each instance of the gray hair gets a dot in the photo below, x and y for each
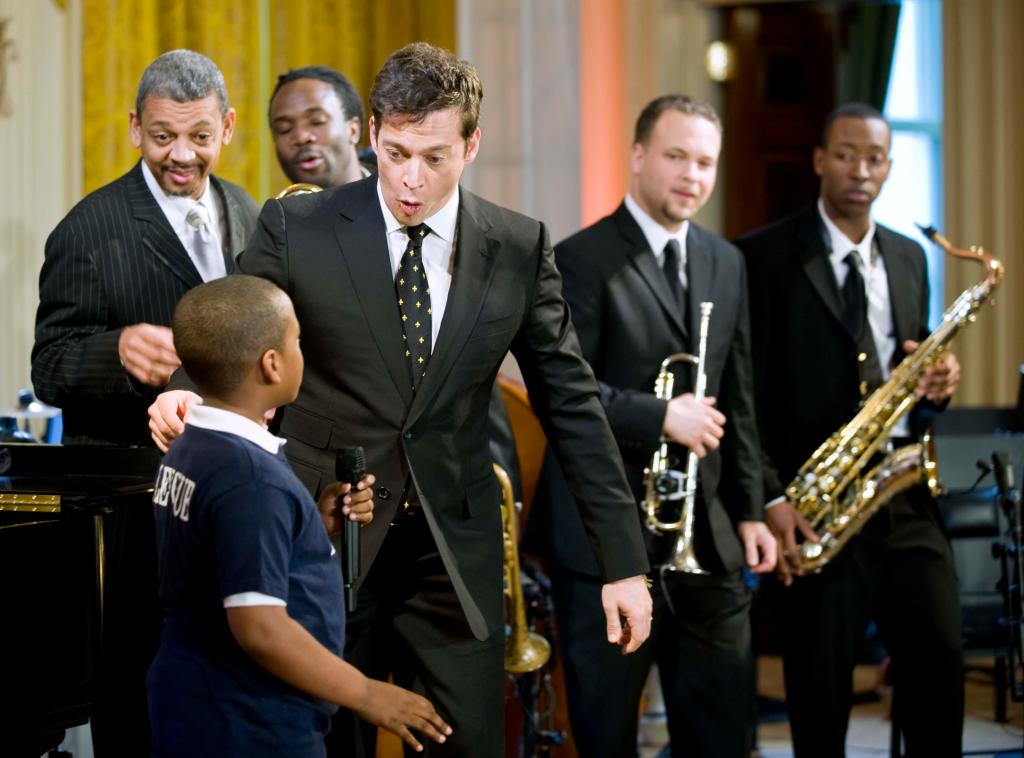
(183, 76)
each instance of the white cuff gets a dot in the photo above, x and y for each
(244, 599)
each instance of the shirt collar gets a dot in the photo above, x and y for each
(657, 235)
(840, 245)
(442, 223)
(220, 420)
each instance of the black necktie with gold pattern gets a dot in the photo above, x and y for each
(413, 293)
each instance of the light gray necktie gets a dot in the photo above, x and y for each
(205, 253)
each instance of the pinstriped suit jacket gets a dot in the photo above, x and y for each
(112, 262)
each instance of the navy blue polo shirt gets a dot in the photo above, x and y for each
(234, 526)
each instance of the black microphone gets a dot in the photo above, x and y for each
(350, 467)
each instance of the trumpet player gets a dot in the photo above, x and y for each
(635, 281)
(836, 301)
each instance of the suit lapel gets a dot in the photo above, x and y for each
(362, 237)
(235, 242)
(646, 264)
(816, 263)
(699, 272)
(898, 268)
(471, 279)
(157, 235)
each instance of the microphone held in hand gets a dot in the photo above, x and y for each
(350, 467)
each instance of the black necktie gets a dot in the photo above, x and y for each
(670, 267)
(413, 293)
(855, 306)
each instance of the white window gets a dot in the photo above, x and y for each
(913, 107)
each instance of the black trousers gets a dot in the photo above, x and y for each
(409, 624)
(700, 640)
(899, 571)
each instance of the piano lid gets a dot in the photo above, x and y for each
(37, 477)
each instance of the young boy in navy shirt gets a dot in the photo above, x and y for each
(249, 661)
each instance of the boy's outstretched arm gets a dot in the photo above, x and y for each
(283, 646)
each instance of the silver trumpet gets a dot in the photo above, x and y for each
(663, 485)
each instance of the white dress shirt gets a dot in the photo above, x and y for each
(176, 208)
(658, 236)
(876, 283)
(438, 253)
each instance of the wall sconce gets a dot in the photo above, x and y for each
(719, 61)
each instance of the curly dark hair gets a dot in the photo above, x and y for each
(348, 96)
(420, 79)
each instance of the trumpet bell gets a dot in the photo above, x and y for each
(683, 558)
(300, 188)
(523, 656)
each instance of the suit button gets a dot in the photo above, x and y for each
(383, 493)
(861, 357)
(407, 435)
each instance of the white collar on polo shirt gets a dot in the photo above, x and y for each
(220, 420)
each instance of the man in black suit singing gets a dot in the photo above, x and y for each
(410, 291)
(316, 120)
(117, 264)
(634, 282)
(836, 301)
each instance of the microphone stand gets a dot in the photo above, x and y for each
(1011, 582)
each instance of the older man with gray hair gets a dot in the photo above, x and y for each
(117, 264)
(115, 267)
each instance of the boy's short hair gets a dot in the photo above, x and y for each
(222, 328)
(421, 79)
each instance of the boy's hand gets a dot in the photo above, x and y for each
(338, 502)
(399, 710)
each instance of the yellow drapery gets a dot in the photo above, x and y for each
(252, 41)
(984, 163)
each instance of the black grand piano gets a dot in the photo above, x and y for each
(80, 616)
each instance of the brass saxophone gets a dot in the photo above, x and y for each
(525, 650)
(662, 484)
(831, 489)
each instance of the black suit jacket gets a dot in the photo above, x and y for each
(628, 323)
(329, 252)
(805, 360)
(112, 262)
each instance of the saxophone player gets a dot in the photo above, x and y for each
(635, 282)
(836, 301)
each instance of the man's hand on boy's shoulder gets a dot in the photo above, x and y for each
(168, 414)
(339, 501)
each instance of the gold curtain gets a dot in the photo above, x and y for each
(983, 151)
(252, 41)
